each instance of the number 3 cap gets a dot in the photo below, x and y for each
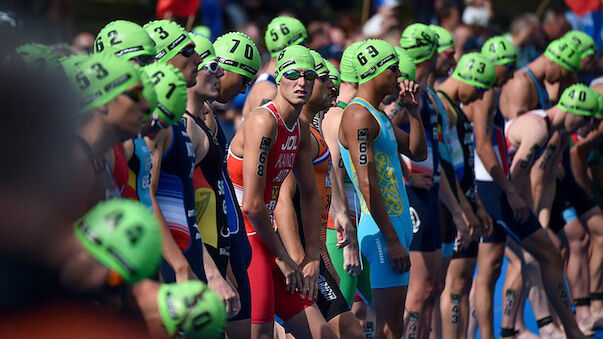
(102, 77)
(191, 308)
(580, 99)
(124, 39)
(293, 57)
(238, 53)
(282, 32)
(372, 58)
(170, 88)
(169, 38)
(476, 70)
(123, 235)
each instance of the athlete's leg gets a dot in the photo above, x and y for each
(346, 325)
(594, 222)
(512, 290)
(473, 325)
(389, 310)
(347, 283)
(309, 323)
(454, 301)
(262, 290)
(489, 261)
(422, 291)
(540, 246)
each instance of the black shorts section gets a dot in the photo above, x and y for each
(448, 230)
(425, 216)
(220, 260)
(561, 206)
(330, 301)
(467, 252)
(497, 206)
(240, 258)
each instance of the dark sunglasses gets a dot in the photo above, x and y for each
(134, 94)
(323, 77)
(480, 90)
(294, 74)
(511, 67)
(143, 60)
(212, 67)
(394, 68)
(187, 50)
(156, 124)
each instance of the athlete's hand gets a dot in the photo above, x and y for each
(473, 223)
(486, 221)
(420, 180)
(345, 231)
(521, 211)
(227, 293)
(398, 256)
(292, 273)
(462, 228)
(310, 269)
(351, 259)
(409, 95)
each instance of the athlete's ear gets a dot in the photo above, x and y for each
(104, 109)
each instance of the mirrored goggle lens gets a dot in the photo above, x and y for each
(187, 50)
(212, 67)
(293, 74)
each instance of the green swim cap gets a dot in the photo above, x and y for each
(419, 42)
(191, 307)
(124, 39)
(406, 65)
(333, 73)
(38, 56)
(282, 32)
(101, 78)
(444, 39)
(170, 87)
(348, 73)
(372, 58)
(499, 50)
(580, 99)
(293, 57)
(169, 38)
(319, 63)
(564, 54)
(476, 70)
(203, 31)
(238, 53)
(70, 63)
(583, 42)
(204, 48)
(123, 235)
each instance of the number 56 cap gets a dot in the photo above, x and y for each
(284, 31)
(102, 77)
(238, 53)
(124, 236)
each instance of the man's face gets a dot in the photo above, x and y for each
(322, 93)
(187, 61)
(445, 62)
(588, 65)
(573, 122)
(208, 80)
(127, 111)
(388, 79)
(232, 84)
(555, 73)
(297, 91)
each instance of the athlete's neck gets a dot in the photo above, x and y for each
(556, 117)
(367, 92)
(425, 75)
(537, 68)
(99, 135)
(289, 113)
(451, 88)
(195, 103)
(347, 92)
(307, 114)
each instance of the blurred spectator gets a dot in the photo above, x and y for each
(477, 13)
(554, 24)
(424, 11)
(181, 11)
(387, 16)
(393, 35)
(527, 37)
(448, 16)
(585, 15)
(318, 35)
(83, 43)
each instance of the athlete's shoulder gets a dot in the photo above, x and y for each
(260, 118)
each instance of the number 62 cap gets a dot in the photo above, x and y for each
(102, 77)
(124, 39)
(238, 53)
(372, 58)
(124, 236)
(476, 70)
(169, 38)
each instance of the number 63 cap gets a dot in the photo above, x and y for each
(238, 53)
(192, 309)
(372, 58)
(102, 77)
(476, 70)
(124, 236)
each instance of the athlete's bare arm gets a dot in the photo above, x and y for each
(515, 98)
(357, 135)
(286, 219)
(198, 138)
(452, 205)
(578, 157)
(260, 93)
(530, 136)
(310, 208)
(483, 125)
(413, 144)
(170, 250)
(253, 142)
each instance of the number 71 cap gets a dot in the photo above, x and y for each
(238, 53)
(124, 236)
